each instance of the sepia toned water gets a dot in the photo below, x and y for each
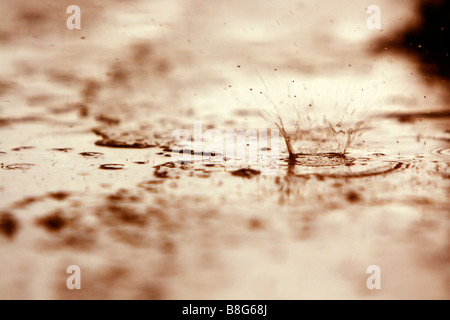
(87, 177)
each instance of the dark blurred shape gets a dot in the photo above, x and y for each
(59, 196)
(6, 86)
(62, 149)
(8, 225)
(353, 196)
(429, 40)
(83, 110)
(107, 120)
(33, 16)
(53, 222)
(255, 224)
(90, 90)
(22, 148)
(116, 214)
(246, 173)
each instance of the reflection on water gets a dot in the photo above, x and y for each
(86, 176)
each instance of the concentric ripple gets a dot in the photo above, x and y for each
(441, 152)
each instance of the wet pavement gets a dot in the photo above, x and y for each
(88, 177)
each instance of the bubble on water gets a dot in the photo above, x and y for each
(19, 166)
(91, 154)
(111, 166)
